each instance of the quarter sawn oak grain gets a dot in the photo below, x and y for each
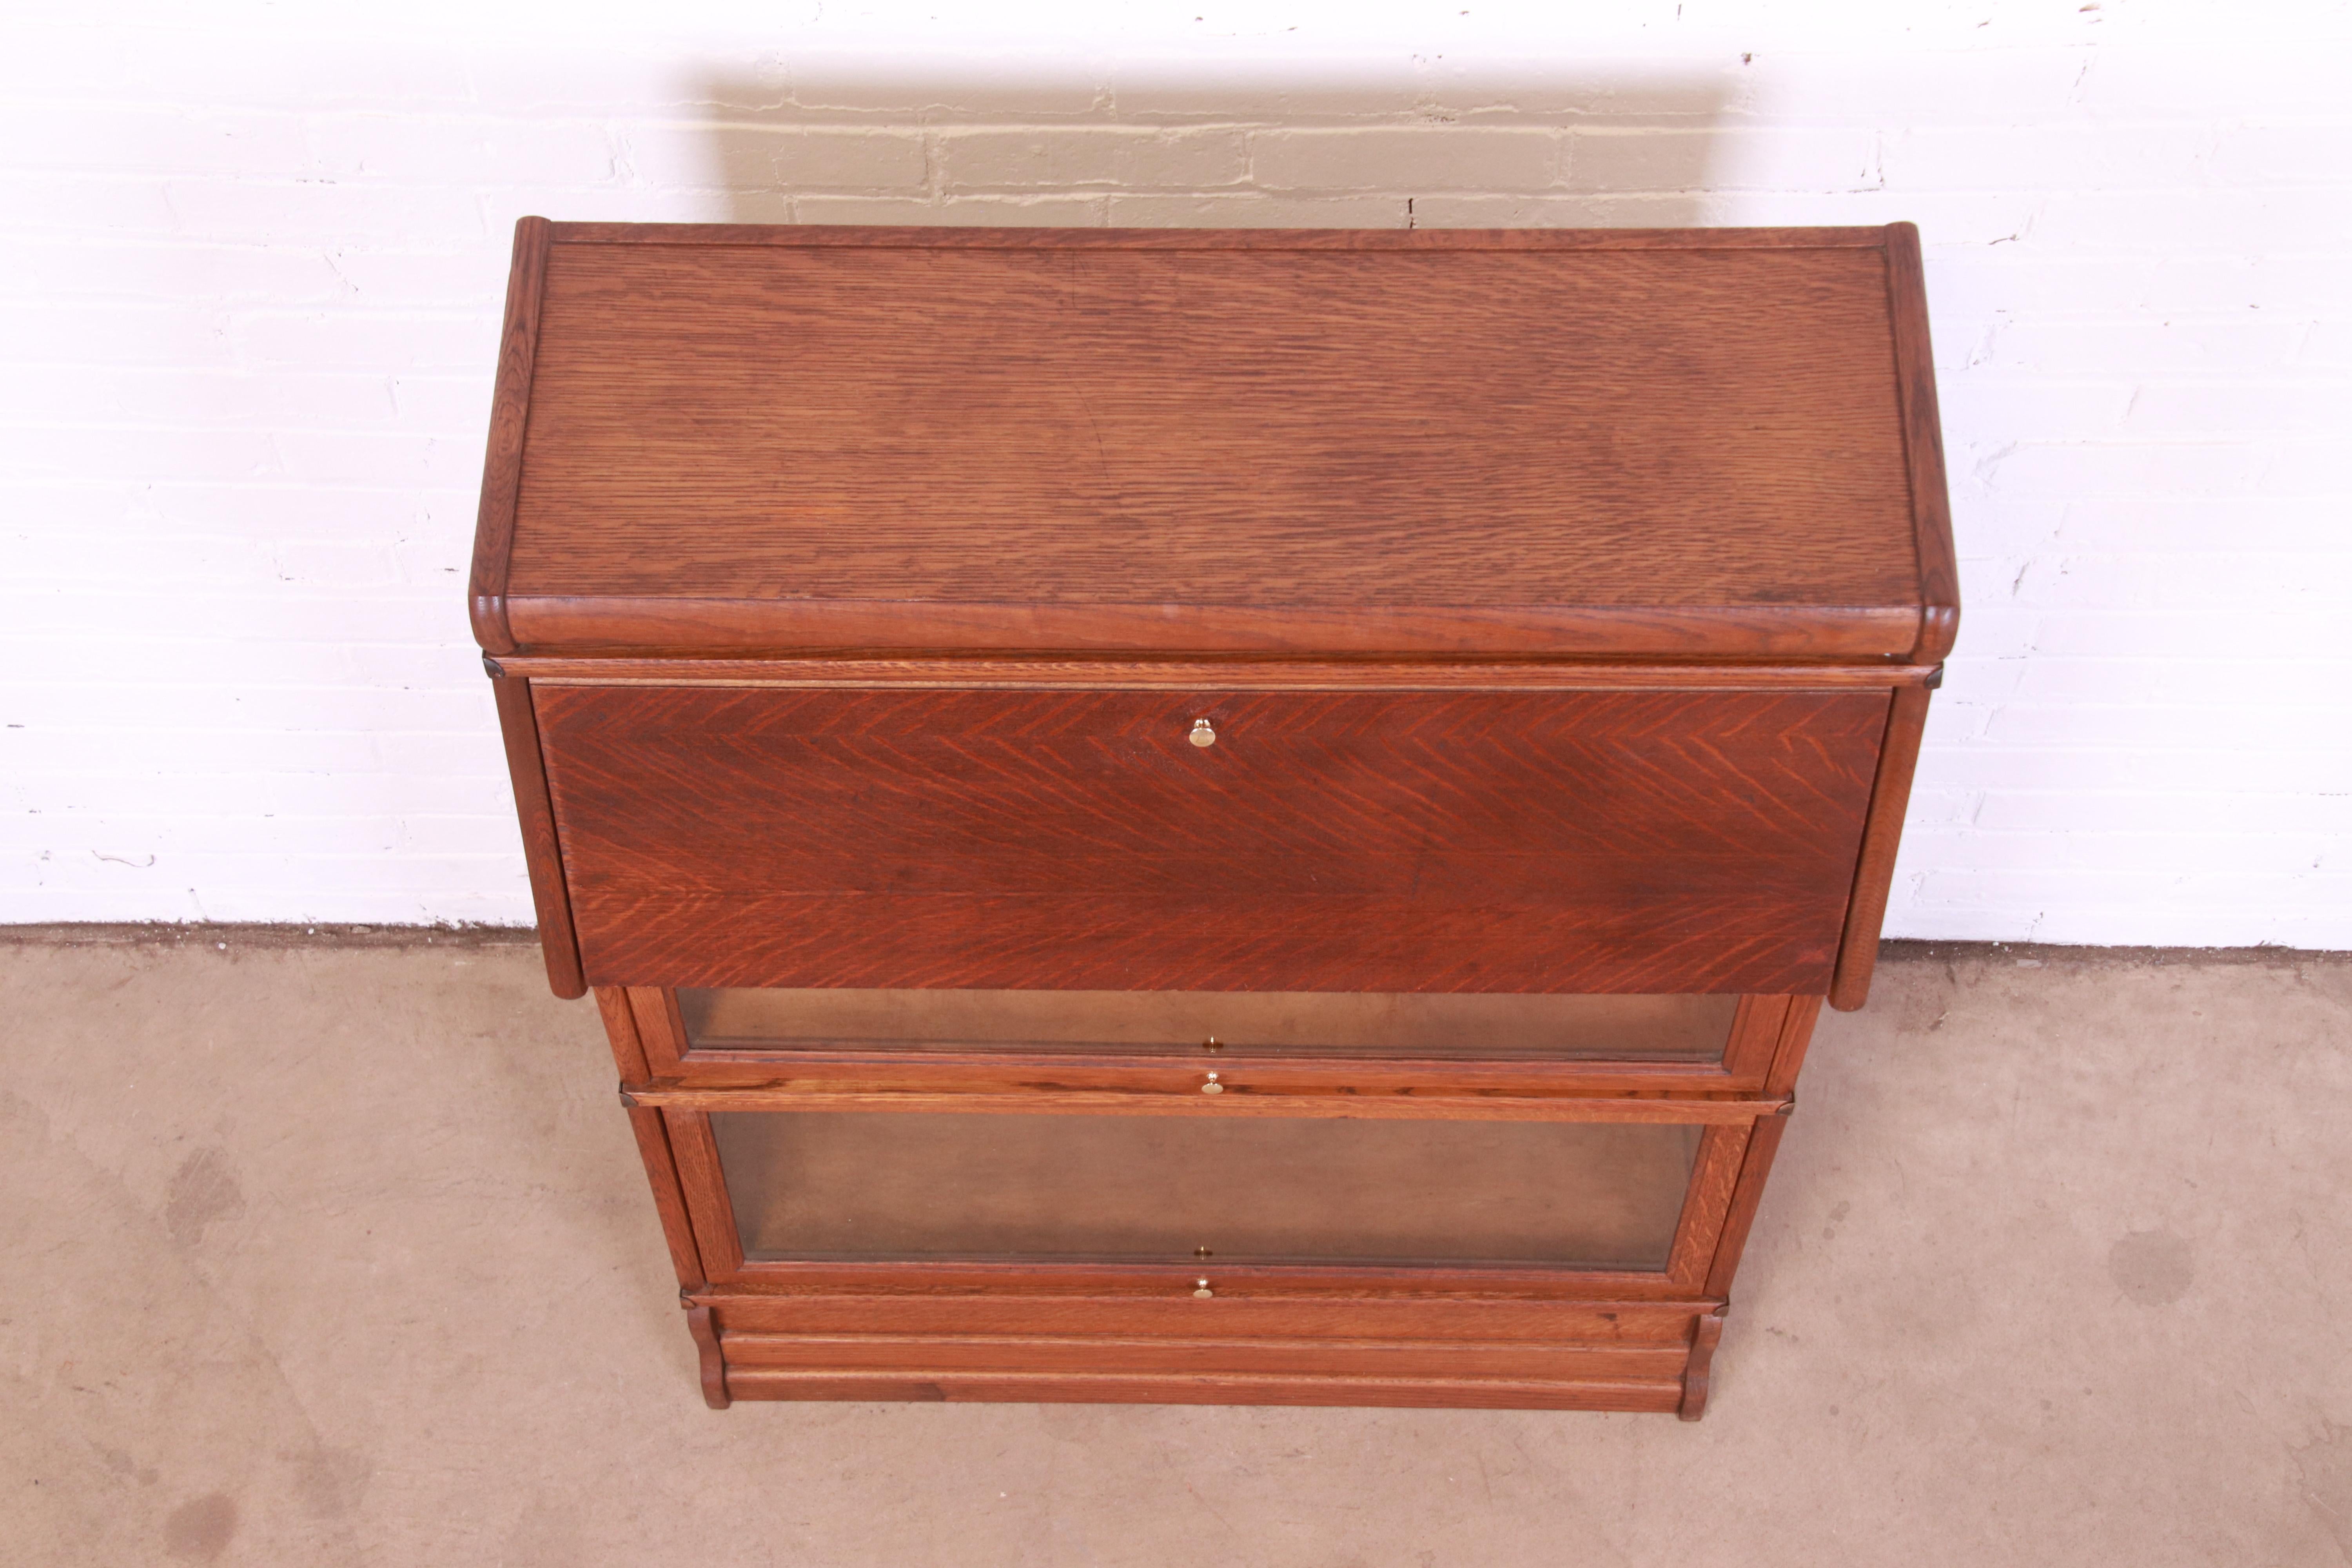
(1582, 444)
(1565, 606)
(1591, 841)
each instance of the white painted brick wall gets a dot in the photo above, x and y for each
(249, 305)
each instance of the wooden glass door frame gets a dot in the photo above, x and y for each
(1768, 1037)
(1715, 1204)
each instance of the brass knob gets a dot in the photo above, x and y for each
(1201, 1291)
(1212, 1086)
(1213, 1043)
(1204, 732)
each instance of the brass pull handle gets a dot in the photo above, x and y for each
(1212, 1086)
(1204, 734)
(1202, 1291)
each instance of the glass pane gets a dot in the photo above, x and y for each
(1242, 1023)
(877, 1184)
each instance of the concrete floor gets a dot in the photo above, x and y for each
(344, 1255)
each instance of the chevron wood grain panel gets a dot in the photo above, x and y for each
(1494, 841)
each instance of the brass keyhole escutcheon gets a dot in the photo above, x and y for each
(1204, 732)
(1201, 1291)
(1213, 1043)
(1212, 1086)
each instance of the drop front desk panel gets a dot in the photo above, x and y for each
(1207, 817)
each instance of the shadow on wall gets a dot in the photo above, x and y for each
(1533, 147)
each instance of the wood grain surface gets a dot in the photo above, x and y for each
(509, 412)
(1706, 1333)
(713, 1359)
(1458, 1319)
(1216, 442)
(1874, 879)
(1922, 444)
(1629, 1394)
(1243, 1102)
(1391, 841)
(550, 893)
(1757, 1045)
(975, 672)
(864, 236)
(670, 1198)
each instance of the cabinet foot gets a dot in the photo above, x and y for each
(1706, 1333)
(714, 1366)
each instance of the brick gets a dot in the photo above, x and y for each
(2296, 820)
(265, 612)
(2080, 843)
(2224, 285)
(1259, 212)
(1406, 161)
(343, 339)
(1239, 87)
(2302, 467)
(78, 333)
(1843, 84)
(1981, 284)
(2119, 468)
(2130, 764)
(1604, 159)
(1681, 96)
(2282, 77)
(2254, 723)
(2282, 633)
(1947, 220)
(321, 211)
(2007, 407)
(157, 270)
(2248, 581)
(2325, 346)
(66, 451)
(936, 88)
(1059, 157)
(196, 398)
(1944, 807)
(420, 833)
(739, 155)
(1680, 210)
(88, 207)
(2204, 679)
(2210, 218)
(2227, 345)
(2156, 887)
(2139, 922)
(455, 406)
(378, 457)
(2007, 526)
(2160, 526)
(2046, 157)
(458, 149)
(284, 67)
(1052, 212)
(2206, 409)
(420, 277)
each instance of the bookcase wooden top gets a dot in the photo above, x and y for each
(1614, 444)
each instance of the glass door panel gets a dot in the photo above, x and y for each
(1443, 1025)
(873, 1185)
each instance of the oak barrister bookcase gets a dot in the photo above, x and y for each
(1211, 816)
